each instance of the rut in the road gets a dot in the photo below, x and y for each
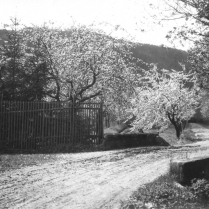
(88, 180)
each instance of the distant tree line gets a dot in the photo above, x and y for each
(163, 57)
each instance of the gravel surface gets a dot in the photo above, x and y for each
(87, 180)
(84, 180)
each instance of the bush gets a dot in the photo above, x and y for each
(163, 193)
(200, 188)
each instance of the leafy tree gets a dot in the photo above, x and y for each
(85, 64)
(198, 58)
(164, 97)
(78, 64)
(196, 30)
(12, 55)
(205, 106)
(23, 76)
(194, 12)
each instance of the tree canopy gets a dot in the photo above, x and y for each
(196, 16)
(76, 64)
(196, 30)
(79, 64)
(164, 97)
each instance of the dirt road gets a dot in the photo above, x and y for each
(82, 181)
(88, 180)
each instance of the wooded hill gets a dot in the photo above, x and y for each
(164, 57)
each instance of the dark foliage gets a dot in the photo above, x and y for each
(163, 193)
(164, 57)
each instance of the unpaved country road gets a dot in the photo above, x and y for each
(84, 180)
(87, 180)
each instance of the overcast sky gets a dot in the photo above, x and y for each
(132, 15)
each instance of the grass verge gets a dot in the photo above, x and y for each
(188, 136)
(16, 161)
(165, 193)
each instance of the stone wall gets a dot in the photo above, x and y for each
(117, 141)
(186, 170)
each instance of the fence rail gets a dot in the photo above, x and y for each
(37, 125)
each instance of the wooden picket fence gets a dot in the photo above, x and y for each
(38, 125)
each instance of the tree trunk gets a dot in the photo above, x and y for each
(178, 128)
(177, 124)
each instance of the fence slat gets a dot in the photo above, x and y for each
(37, 125)
(1, 124)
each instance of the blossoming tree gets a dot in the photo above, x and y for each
(165, 97)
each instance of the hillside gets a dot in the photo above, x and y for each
(2, 34)
(167, 58)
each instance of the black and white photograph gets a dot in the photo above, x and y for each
(104, 104)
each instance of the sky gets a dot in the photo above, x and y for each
(134, 16)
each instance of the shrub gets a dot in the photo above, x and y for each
(200, 188)
(163, 193)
